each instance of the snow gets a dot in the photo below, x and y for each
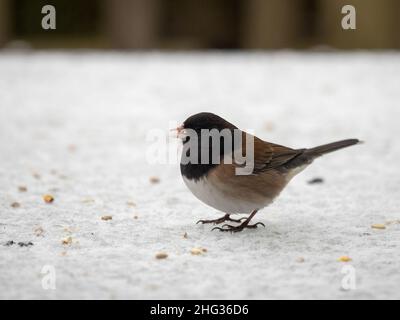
(74, 125)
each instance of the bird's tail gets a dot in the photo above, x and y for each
(330, 147)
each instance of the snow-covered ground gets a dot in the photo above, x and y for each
(74, 125)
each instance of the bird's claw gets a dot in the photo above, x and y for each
(237, 228)
(216, 221)
(221, 220)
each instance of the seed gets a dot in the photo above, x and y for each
(15, 205)
(25, 244)
(36, 175)
(161, 255)
(154, 180)
(67, 241)
(198, 251)
(316, 180)
(378, 226)
(106, 218)
(344, 259)
(38, 231)
(48, 198)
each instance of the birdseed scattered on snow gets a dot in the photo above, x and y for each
(38, 231)
(67, 241)
(161, 255)
(25, 244)
(21, 244)
(48, 198)
(344, 259)
(315, 180)
(15, 205)
(154, 180)
(36, 175)
(198, 251)
(378, 226)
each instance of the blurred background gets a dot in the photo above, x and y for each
(197, 25)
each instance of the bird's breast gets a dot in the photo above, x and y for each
(227, 196)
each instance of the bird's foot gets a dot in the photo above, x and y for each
(221, 220)
(241, 227)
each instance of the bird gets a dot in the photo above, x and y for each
(213, 179)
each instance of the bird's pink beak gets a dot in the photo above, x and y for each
(178, 130)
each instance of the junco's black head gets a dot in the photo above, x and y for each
(215, 147)
(207, 120)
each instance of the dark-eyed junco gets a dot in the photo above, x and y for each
(218, 183)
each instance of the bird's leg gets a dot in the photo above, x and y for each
(244, 225)
(226, 217)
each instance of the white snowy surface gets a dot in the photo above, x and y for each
(80, 121)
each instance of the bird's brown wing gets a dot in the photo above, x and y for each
(269, 156)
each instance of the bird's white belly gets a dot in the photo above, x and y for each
(213, 196)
